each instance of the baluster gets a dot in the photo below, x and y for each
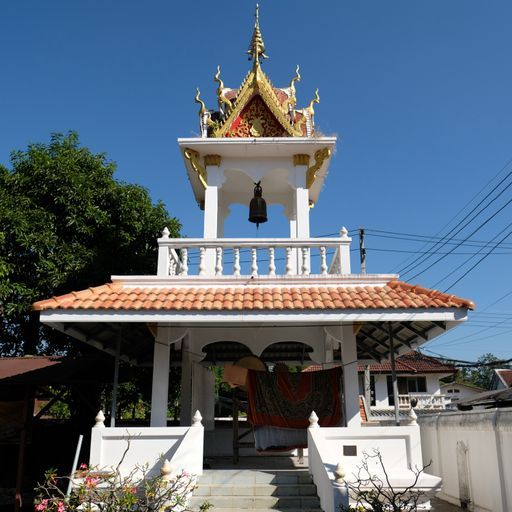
(271, 262)
(305, 267)
(323, 261)
(184, 262)
(172, 266)
(254, 262)
(202, 261)
(288, 261)
(236, 261)
(218, 262)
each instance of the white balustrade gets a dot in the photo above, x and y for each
(288, 256)
(423, 401)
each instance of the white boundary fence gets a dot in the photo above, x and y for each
(472, 452)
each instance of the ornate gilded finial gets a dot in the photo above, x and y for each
(221, 99)
(219, 81)
(296, 78)
(201, 102)
(316, 100)
(256, 49)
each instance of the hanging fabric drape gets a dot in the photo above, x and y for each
(287, 399)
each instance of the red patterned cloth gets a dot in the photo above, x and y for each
(287, 399)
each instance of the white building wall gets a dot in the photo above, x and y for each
(381, 388)
(471, 451)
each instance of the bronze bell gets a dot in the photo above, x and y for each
(258, 207)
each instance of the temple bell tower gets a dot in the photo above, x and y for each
(256, 140)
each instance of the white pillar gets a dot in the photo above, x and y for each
(350, 379)
(191, 378)
(211, 227)
(160, 388)
(203, 394)
(302, 211)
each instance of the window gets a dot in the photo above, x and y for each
(406, 385)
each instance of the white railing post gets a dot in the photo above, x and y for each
(313, 420)
(345, 251)
(323, 261)
(218, 261)
(289, 266)
(163, 254)
(305, 262)
(254, 262)
(236, 261)
(202, 261)
(271, 262)
(184, 262)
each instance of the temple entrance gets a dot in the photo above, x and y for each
(265, 401)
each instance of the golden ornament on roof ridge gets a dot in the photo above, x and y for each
(257, 46)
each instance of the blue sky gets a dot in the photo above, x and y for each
(418, 93)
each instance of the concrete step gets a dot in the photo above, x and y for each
(257, 502)
(230, 490)
(267, 510)
(212, 489)
(252, 477)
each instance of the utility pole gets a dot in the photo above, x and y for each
(362, 251)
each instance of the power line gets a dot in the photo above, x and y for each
(428, 238)
(478, 262)
(467, 238)
(421, 259)
(471, 257)
(466, 205)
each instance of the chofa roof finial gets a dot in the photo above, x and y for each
(256, 49)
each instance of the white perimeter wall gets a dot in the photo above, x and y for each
(472, 452)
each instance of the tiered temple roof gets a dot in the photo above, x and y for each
(257, 108)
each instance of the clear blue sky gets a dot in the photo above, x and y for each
(419, 94)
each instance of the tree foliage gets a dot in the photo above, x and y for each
(480, 375)
(66, 224)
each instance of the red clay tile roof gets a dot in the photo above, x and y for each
(506, 376)
(394, 295)
(412, 362)
(10, 366)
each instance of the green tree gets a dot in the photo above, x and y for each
(482, 373)
(66, 224)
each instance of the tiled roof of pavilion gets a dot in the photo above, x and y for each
(116, 296)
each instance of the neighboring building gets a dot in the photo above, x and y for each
(456, 391)
(418, 378)
(502, 379)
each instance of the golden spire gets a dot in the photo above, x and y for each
(257, 46)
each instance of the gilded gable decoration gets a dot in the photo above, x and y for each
(257, 108)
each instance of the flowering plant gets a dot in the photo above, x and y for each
(109, 491)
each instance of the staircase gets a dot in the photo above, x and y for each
(230, 490)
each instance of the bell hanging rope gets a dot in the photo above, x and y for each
(258, 207)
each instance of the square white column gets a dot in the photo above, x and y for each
(350, 378)
(160, 386)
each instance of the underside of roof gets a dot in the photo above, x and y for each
(373, 342)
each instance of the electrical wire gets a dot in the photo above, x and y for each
(473, 256)
(464, 222)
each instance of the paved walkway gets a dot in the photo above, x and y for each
(443, 506)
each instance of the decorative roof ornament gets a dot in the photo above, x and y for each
(256, 49)
(257, 108)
